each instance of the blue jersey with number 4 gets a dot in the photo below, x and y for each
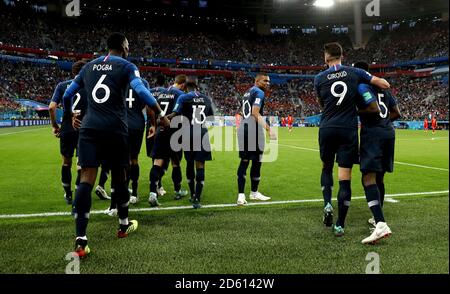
(135, 106)
(337, 88)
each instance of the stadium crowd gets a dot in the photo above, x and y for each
(385, 46)
(417, 97)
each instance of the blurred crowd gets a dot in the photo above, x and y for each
(426, 39)
(417, 97)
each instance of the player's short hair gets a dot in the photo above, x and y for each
(115, 41)
(160, 80)
(362, 65)
(77, 66)
(260, 75)
(333, 49)
(192, 82)
(180, 79)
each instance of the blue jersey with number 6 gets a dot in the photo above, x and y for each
(105, 80)
(337, 88)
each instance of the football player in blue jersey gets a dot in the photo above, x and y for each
(162, 152)
(337, 90)
(251, 138)
(195, 108)
(68, 136)
(104, 131)
(376, 151)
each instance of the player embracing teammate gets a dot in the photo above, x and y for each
(337, 89)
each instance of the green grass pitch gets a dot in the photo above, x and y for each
(276, 238)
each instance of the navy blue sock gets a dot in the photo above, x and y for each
(344, 198)
(113, 199)
(176, 178)
(373, 200)
(103, 177)
(326, 181)
(380, 184)
(241, 175)
(122, 197)
(200, 181)
(155, 177)
(66, 179)
(77, 181)
(190, 175)
(255, 174)
(81, 208)
(134, 177)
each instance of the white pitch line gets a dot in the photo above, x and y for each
(422, 166)
(66, 213)
(297, 147)
(12, 133)
(397, 162)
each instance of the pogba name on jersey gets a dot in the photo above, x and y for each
(102, 67)
(337, 75)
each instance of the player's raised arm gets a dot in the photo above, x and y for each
(380, 83)
(369, 100)
(179, 105)
(366, 77)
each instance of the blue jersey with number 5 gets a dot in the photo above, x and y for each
(337, 88)
(381, 123)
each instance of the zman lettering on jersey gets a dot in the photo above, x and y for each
(102, 67)
(164, 95)
(337, 75)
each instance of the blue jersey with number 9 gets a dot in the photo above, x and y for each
(337, 88)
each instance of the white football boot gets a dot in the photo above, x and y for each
(382, 231)
(258, 196)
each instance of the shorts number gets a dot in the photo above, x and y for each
(384, 113)
(341, 95)
(202, 114)
(164, 110)
(246, 109)
(98, 86)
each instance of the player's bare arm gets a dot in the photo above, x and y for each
(394, 113)
(380, 83)
(52, 113)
